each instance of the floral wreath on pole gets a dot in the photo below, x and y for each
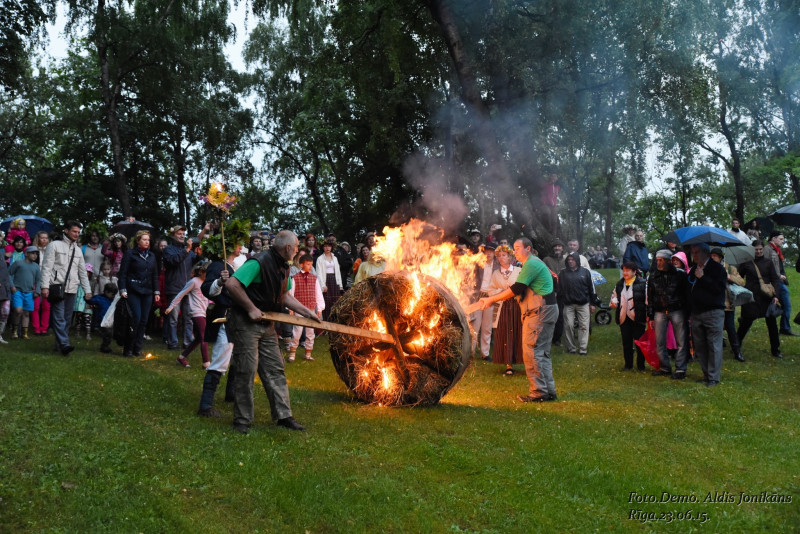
(223, 201)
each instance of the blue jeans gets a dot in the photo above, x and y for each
(171, 322)
(537, 335)
(786, 304)
(140, 311)
(61, 318)
(678, 321)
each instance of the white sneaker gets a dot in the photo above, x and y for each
(3, 341)
(291, 357)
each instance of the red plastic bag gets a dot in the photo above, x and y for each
(647, 344)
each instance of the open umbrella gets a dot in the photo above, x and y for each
(33, 224)
(764, 225)
(693, 235)
(598, 278)
(739, 255)
(129, 227)
(787, 215)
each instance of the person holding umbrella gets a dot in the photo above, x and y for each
(708, 281)
(761, 268)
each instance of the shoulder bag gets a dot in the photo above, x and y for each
(766, 289)
(56, 291)
(740, 295)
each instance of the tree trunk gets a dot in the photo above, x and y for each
(485, 136)
(110, 99)
(180, 176)
(611, 171)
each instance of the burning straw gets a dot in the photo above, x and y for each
(433, 341)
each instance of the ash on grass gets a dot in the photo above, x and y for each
(433, 346)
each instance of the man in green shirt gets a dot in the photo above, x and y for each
(534, 287)
(261, 285)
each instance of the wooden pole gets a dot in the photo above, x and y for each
(323, 325)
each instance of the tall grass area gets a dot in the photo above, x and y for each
(101, 443)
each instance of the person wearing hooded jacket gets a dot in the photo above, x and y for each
(576, 290)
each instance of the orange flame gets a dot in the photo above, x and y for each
(405, 250)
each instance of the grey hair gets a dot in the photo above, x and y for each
(284, 238)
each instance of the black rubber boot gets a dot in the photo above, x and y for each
(210, 383)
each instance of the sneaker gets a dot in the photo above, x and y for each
(206, 365)
(582, 353)
(679, 375)
(66, 350)
(183, 361)
(290, 423)
(208, 412)
(291, 357)
(712, 383)
(147, 338)
(309, 359)
(661, 372)
(3, 341)
(241, 429)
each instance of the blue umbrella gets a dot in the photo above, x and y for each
(693, 235)
(33, 224)
(598, 278)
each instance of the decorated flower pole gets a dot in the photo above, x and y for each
(220, 199)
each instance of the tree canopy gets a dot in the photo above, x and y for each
(352, 114)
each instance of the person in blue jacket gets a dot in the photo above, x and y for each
(178, 258)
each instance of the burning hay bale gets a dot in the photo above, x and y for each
(432, 341)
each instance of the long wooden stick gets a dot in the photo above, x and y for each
(323, 325)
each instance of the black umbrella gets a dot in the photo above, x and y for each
(129, 227)
(764, 226)
(787, 216)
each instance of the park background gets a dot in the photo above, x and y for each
(101, 443)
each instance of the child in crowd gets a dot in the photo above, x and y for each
(100, 302)
(83, 315)
(114, 250)
(99, 281)
(17, 230)
(306, 289)
(198, 305)
(16, 250)
(102, 277)
(25, 278)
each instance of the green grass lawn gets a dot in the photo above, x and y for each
(97, 443)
